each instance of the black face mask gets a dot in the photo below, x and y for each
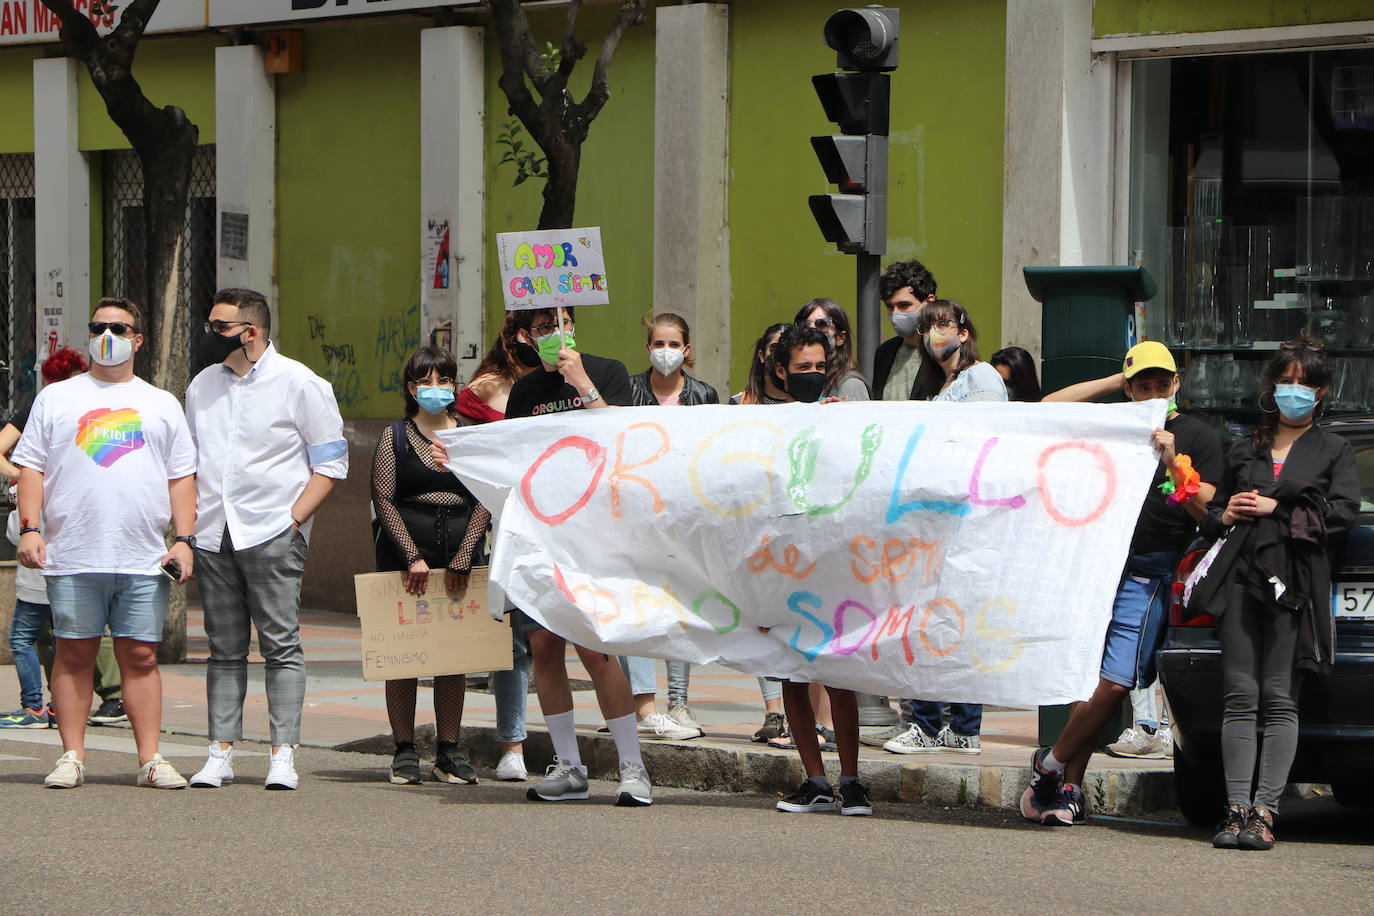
(805, 386)
(527, 354)
(217, 348)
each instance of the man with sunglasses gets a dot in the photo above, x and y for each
(271, 447)
(106, 463)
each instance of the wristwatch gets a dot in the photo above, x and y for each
(187, 539)
(590, 396)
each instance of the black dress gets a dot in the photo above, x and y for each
(423, 511)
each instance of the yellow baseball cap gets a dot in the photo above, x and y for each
(1148, 354)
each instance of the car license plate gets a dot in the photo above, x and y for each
(1353, 600)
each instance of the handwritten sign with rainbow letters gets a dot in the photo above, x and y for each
(962, 552)
(552, 267)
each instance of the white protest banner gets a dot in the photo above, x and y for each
(437, 633)
(962, 552)
(549, 268)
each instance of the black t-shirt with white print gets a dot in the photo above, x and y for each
(541, 391)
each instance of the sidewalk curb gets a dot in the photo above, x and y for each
(710, 767)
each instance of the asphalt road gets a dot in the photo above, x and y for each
(349, 842)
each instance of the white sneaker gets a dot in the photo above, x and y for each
(512, 768)
(159, 774)
(1133, 742)
(636, 790)
(1166, 740)
(68, 774)
(682, 715)
(659, 726)
(913, 741)
(281, 769)
(218, 769)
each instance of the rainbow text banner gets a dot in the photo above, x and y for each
(552, 267)
(960, 552)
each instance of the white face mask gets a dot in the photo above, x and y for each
(666, 360)
(110, 350)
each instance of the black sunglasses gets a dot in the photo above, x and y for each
(822, 324)
(219, 327)
(120, 328)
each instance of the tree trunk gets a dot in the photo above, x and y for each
(560, 191)
(166, 155)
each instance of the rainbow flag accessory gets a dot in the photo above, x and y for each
(108, 435)
(107, 345)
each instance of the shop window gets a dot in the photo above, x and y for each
(18, 289)
(1252, 203)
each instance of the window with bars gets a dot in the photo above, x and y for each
(18, 287)
(125, 232)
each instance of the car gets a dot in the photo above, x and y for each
(1335, 710)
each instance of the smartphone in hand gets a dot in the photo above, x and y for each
(172, 570)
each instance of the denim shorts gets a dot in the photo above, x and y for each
(84, 604)
(1137, 624)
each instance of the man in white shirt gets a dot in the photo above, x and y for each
(106, 462)
(271, 447)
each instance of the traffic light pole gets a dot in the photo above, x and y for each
(869, 310)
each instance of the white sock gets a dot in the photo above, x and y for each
(625, 731)
(563, 733)
(1050, 763)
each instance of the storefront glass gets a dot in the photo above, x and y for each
(1252, 203)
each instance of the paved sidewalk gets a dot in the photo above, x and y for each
(343, 709)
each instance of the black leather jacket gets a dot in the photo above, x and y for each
(694, 391)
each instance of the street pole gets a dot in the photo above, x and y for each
(869, 310)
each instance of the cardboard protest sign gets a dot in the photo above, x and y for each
(963, 552)
(549, 268)
(438, 633)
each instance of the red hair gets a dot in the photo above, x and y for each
(62, 364)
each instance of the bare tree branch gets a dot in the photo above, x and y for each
(134, 22)
(631, 14)
(75, 31)
(525, 58)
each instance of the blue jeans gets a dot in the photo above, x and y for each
(132, 606)
(511, 688)
(29, 620)
(964, 718)
(640, 673)
(1137, 625)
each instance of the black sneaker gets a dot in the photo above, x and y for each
(1069, 809)
(1228, 831)
(1043, 793)
(807, 798)
(110, 712)
(451, 765)
(854, 798)
(405, 767)
(1258, 832)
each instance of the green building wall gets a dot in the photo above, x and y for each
(945, 182)
(1150, 17)
(16, 99)
(348, 197)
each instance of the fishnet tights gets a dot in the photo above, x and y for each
(449, 692)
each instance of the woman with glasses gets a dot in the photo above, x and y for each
(1289, 492)
(427, 520)
(843, 380)
(950, 371)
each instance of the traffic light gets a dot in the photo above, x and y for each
(865, 40)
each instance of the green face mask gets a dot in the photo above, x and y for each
(550, 345)
(1173, 406)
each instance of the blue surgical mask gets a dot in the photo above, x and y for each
(1295, 402)
(433, 398)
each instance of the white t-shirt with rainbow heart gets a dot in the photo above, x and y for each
(107, 451)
